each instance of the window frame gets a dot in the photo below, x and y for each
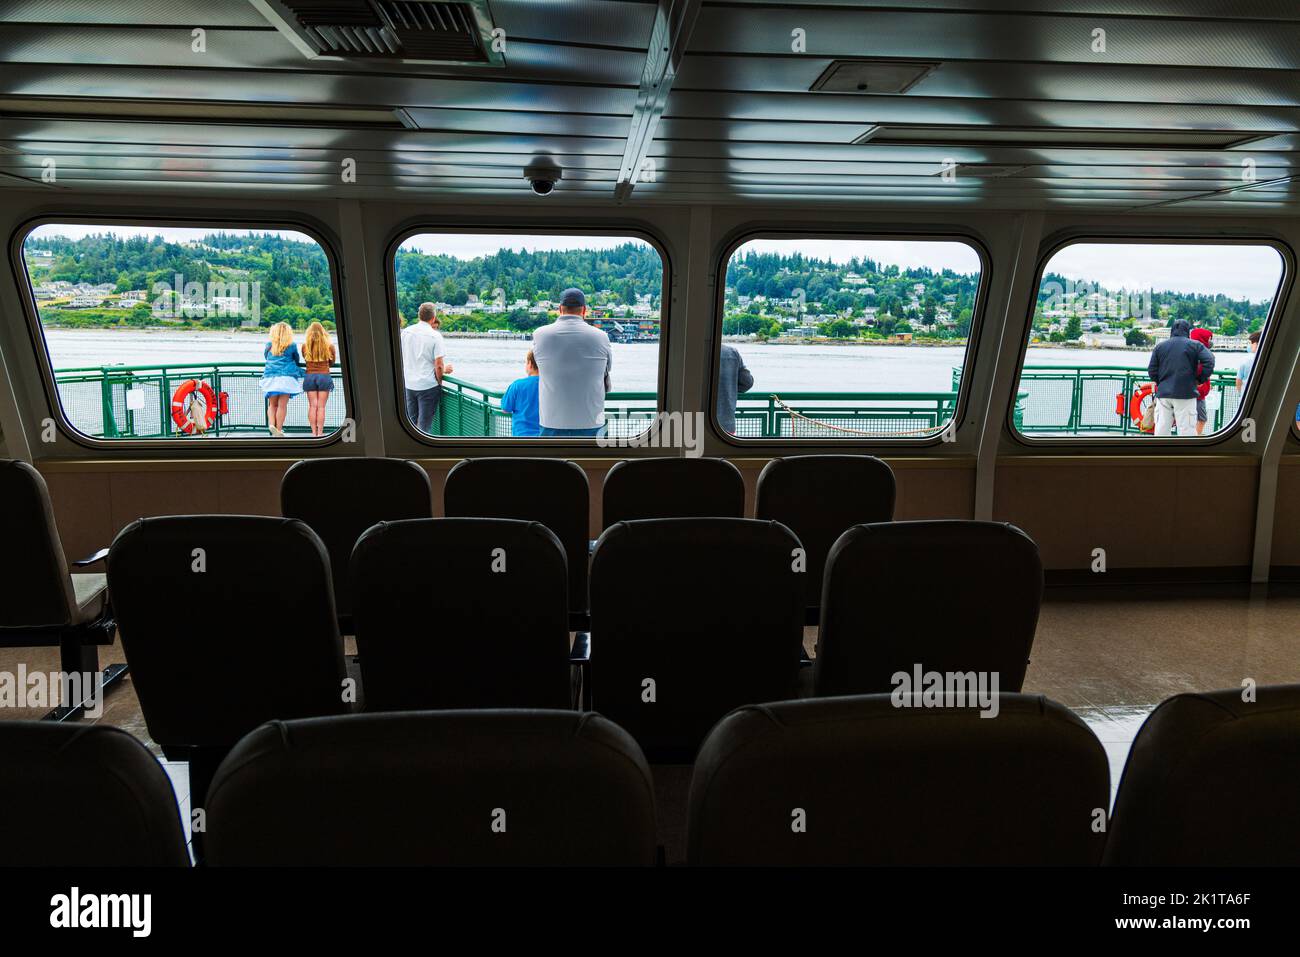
(1054, 244)
(213, 449)
(617, 228)
(979, 309)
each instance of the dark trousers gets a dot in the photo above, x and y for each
(422, 406)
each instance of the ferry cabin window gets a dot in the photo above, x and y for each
(844, 339)
(190, 335)
(1122, 331)
(528, 336)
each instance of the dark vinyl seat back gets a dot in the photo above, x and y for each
(944, 595)
(84, 795)
(639, 489)
(1212, 780)
(872, 783)
(819, 498)
(339, 498)
(553, 492)
(510, 787)
(708, 609)
(35, 587)
(265, 596)
(462, 613)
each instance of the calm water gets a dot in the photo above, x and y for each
(494, 364)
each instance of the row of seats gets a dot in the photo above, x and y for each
(689, 619)
(817, 497)
(1210, 780)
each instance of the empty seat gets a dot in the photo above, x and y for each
(858, 780)
(819, 498)
(227, 622)
(672, 488)
(41, 604)
(551, 491)
(942, 596)
(82, 795)
(462, 613)
(1212, 780)
(339, 498)
(435, 787)
(691, 617)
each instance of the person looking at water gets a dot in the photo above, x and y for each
(319, 353)
(1243, 370)
(1178, 365)
(1205, 337)
(423, 367)
(733, 378)
(520, 400)
(282, 377)
(574, 360)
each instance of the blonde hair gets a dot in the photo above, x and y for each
(281, 338)
(531, 359)
(317, 347)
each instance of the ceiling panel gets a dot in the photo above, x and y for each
(738, 120)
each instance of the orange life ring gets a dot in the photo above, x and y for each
(183, 405)
(1134, 404)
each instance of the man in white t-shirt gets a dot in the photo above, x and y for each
(574, 361)
(423, 367)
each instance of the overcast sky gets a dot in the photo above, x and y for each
(473, 245)
(173, 233)
(1251, 272)
(937, 255)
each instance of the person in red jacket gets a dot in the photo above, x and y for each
(1204, 337)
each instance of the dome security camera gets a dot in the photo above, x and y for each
(542, 174)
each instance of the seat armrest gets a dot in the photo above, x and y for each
(580, 654)
(99, 556)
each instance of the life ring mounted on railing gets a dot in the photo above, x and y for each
(1134, 408)
(195, 406)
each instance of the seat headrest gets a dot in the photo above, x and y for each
(434, 787)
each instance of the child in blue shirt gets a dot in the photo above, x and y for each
(520, 401)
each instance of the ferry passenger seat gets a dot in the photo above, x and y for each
(690, 618)
(934, 596)
(84, 795)
(637, 489)
(41, 604)
(819, 498)
(860, 781)
(462, 613)
(227, 622)
(510, 787)
(1212, 780)
(339, 498)
(547, 490)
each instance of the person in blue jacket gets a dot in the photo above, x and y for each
(520, 401)
(283, 376)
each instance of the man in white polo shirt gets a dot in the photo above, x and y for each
(574, 361)
(423, 367)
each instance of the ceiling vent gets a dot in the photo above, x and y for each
(872, 76)
(402, 31)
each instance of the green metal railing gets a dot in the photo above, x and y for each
(95, 400)
(1060, 400)
(1082, 400)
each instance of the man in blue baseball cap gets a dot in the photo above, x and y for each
(574, 360)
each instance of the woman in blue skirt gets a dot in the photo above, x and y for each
(282, 377)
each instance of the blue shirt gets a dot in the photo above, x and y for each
(521, 401)
(286, 363)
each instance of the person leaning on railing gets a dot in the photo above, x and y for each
(319, 353)
(423, 367)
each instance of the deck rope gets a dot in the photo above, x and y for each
(839, 428)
